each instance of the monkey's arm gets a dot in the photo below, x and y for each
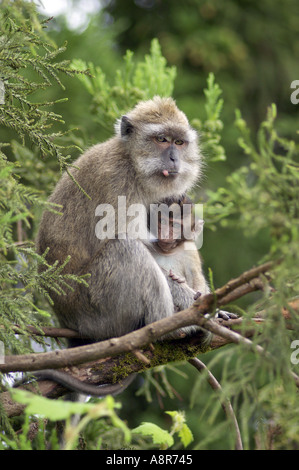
(184, 291)
(183, 295)
(183, 272)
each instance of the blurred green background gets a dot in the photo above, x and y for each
(252, 47)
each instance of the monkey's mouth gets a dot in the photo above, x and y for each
(167, 173)
(167, 245)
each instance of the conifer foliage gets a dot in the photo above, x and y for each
(258, 201)
(25, 51)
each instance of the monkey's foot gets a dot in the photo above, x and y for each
(224, 315)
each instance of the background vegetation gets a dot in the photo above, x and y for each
(250, 188)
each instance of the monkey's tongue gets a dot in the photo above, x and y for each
(165, 172)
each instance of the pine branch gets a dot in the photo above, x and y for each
(23, 48)
(217, 341)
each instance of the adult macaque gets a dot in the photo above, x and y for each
(154, 156)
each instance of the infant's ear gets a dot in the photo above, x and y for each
(198, 227)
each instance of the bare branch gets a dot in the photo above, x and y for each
(140, 338)
(112, 369)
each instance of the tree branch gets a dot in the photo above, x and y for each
(150, 333)
(107, 356)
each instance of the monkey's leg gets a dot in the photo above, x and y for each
(127, 291)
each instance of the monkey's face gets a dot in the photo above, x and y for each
(162, 147)
(170, 151)
(166, 159)
(169, 161)
(170, 234)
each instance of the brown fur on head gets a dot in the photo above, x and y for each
(157, 109)
(161, 113)
(171, 218)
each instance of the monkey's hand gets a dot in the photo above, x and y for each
(197, 295)
(176, 278)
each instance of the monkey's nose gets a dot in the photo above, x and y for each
(173, 157)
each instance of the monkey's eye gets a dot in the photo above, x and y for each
(165, 221)
(160, 138)
(179, 142)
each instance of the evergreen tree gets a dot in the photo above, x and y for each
(258, 200)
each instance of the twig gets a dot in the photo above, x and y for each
(245, 278)
(141, 357)
(225, 402)
(250, 286)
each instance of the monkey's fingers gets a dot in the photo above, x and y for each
(176, 278)
(197, 295)
(224, 315)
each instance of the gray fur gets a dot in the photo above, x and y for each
(127, 288)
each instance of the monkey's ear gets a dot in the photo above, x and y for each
(198, 228)
(126, 127)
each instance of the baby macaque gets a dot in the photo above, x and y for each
(175, 251)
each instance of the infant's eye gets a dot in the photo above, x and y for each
(165, 221)
(160, 138)
(179, 142)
